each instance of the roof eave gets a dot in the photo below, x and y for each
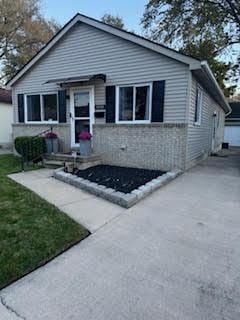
(107, 28)
(44, 50)
(203, 66)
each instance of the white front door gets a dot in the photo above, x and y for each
(81, 112)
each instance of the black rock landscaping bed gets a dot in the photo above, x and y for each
(121, 179)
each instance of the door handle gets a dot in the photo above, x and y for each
(71, 116)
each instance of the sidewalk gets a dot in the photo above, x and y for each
(5, 151)
(90, 211)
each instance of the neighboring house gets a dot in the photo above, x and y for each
(147, 105)
(232, 125)
(6, 118)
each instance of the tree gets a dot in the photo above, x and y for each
(195, 27)
(114, 21)
(223, 71)
(23, 32)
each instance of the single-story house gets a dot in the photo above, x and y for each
(6, 118)
(146, 105)
(232, 125)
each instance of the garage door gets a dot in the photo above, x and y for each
(232, 135)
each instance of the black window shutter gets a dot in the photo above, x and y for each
(20, 98)
(110, 104)
(62, 106)
(158, 101)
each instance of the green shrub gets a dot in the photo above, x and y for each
(30, 148)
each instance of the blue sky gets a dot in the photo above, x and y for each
(130, 10)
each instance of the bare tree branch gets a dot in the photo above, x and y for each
(234, 10)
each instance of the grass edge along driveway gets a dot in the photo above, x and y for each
(32, 231)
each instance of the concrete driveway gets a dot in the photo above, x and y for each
(176, 255)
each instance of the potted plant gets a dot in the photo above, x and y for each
(85, 143)
(51, 142)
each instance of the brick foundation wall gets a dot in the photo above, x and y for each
(151, 146)
(63, 131)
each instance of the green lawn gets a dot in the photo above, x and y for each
(32, 231)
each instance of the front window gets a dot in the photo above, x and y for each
(134, 103)
(50, 107)
(142, 103)
(42, 107)
(126, 103)
(33, 108)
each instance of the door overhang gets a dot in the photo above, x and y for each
(75, 81)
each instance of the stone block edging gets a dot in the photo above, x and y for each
(125, 200)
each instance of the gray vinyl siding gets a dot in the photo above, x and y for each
(86, 50)
(199, 138)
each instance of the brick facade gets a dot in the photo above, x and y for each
(151, 146)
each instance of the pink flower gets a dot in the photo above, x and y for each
(84, 135)
(51, 135)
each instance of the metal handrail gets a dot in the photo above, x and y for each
(43, 132)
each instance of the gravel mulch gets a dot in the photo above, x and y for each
(121, 179)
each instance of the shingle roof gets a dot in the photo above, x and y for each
(5, 95)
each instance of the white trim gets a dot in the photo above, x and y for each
(117, 32)
(149, 84)
(91, 117)
(41, 108)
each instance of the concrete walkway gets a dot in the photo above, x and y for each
(90, 211)
(5, 151)
(173, 256)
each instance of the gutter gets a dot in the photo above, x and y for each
(208, 71)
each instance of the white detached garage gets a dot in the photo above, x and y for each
(232, 135)
(232, 126)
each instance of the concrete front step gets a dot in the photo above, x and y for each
(69, 158)
(53, 164)
(60, 160)
(81, 166)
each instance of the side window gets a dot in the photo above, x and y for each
(198, 106)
